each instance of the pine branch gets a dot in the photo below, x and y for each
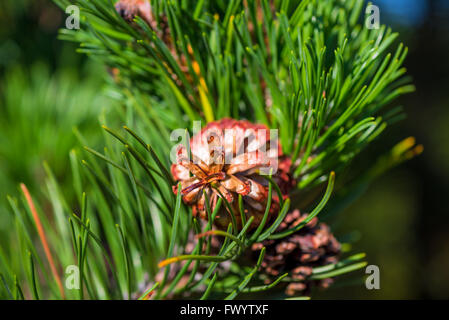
(308, 68)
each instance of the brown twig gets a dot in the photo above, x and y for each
(41, 233)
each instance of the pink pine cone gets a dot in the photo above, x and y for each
(228, 159)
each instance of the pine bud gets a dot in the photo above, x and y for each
(312, 246)
(129, 9)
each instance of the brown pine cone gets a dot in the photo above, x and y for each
(312, 246)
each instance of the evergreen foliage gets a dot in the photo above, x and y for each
(308, 68)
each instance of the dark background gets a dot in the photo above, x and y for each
(403, 219)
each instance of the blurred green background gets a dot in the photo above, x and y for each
(47, 89)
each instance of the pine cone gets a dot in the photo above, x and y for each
(228, 159)
(129, 9)
(312, 246)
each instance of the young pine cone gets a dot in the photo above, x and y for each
(230, 157)
(129, 9)
(312, 246)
